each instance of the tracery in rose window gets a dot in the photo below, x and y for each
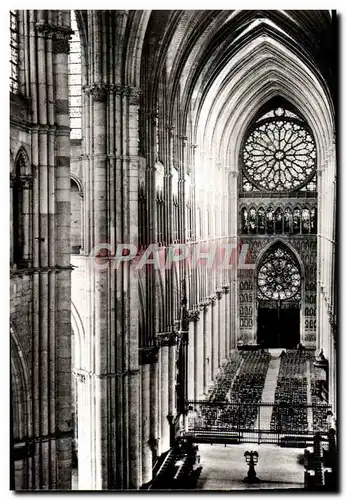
(279, 154)
(279, 276)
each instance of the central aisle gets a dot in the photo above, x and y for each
(224, 468)
(268, 395)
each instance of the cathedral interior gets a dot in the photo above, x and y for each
(173, 262)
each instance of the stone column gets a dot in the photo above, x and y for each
(192, 355)
(221, 326)
(200, 349)
(227, 337)
(51, 340)
(164, 399)
(215, 339)
(207, 348)
(146, 451)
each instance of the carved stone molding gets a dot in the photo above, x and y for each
(26, 181)
(60, 35)
(152, 113)
(212, 298)
(166, 339)
(21, 182)
(176, 324)
(134, 94)
(53, 28)
(170, 129)
(44, 29)
(61, 43)
(80, 376)
(203, 304)
(98, 91)
(183, 139)
(225, 289)
(219, 293)
(193, 315)
(148, 355)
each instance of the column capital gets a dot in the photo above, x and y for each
(133, 94)
(166, 339)
(98, 91)
(148, 355)
(212, 298)
(170, 128)
(80, 377)
(45, 30)
(22, 182)
(203, 304)
(59, 34)
(49, 30)
(151, 114)
(193, 315)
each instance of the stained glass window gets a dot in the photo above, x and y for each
(252, 221)
(244, 221)
(261, 221)
(270, 220)
(14, 87)
(278, 221)
(287, 220)
(279, 154)
(279, 276)
(296, 221)
(248, 187)
(310, 186)
(75, 82)
(313, 220)
(305, 221)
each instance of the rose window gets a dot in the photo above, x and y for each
(279, 277)
(279, 153)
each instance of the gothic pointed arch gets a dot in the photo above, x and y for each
(22, 161)
(20, 387)
(79, 337)
(278, 273)
(21, 207)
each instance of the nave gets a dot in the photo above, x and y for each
(264, 401)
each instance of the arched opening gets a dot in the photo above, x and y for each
(20, 411)
(76, 217)
(21, 211)
(79, 403)
(278, 295)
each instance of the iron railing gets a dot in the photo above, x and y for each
(263, 422)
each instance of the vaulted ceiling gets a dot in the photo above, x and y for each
(202, 53)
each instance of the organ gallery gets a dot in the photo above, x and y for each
(173, 278)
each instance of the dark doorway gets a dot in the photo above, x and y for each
(278, 327)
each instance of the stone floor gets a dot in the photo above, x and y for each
(224, 468)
